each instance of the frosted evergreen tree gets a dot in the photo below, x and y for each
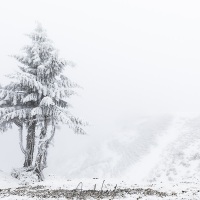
(37, 98)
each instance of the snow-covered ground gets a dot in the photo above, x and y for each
(6, 181)
(63, 188)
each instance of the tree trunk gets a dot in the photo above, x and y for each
(30, 144)
(41, 159)
(39, 162)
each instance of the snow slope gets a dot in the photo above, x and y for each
(147, 148)
(180, 160)
(152, 148)
(160, 153)
(118, 155)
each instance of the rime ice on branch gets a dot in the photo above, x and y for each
(37, 98)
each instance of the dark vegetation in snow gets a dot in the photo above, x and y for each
(43, 192)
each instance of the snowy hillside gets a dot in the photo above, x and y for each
(109, 156)
(180, 160)
(113, 156)
(147, 148)
(153, 158)
(150, 148)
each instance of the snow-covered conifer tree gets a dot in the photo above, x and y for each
(37, 97)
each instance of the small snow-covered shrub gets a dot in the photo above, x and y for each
(25, 175)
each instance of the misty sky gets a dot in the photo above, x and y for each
(133, 57)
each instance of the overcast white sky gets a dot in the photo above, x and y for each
(133, 57)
